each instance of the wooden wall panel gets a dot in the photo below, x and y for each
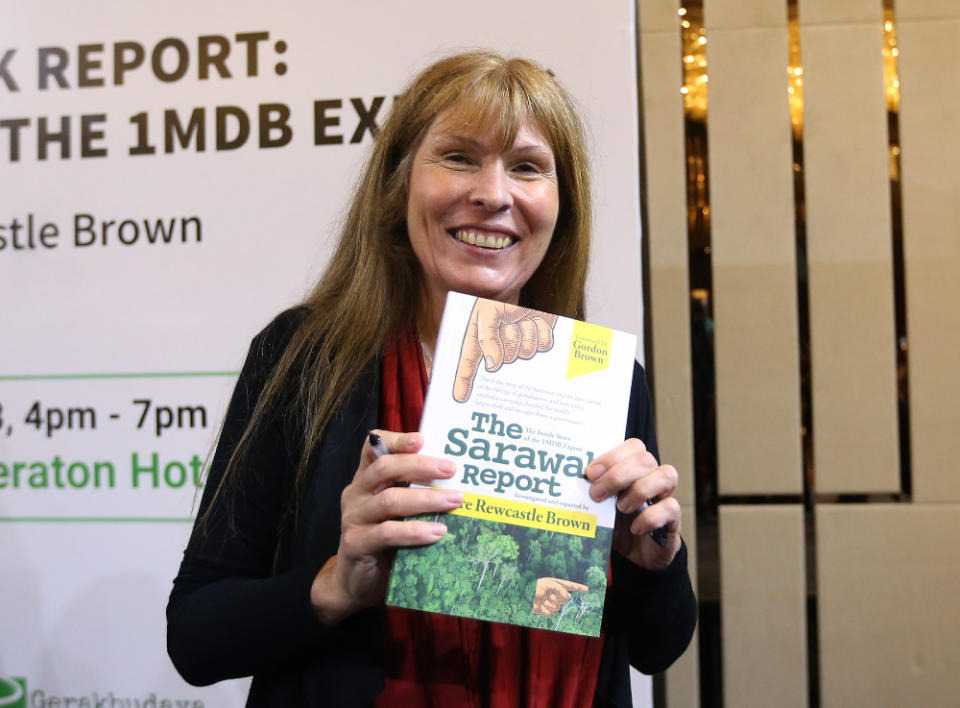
(930, 142)
(889, 631)
(763, 606)
(827, 12)
(849, 247)
(683, 678)
(748, 14)
(659, 16)
(753, 249)
(888, 586)
(912, 10)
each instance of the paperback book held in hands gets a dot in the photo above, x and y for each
(521, 401)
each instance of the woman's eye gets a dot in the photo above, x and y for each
(457, 158)
(527, 168)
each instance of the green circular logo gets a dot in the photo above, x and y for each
(11, 692)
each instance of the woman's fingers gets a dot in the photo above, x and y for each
(402, 466)
(391, 470)
(400, 502)
(661, 483)
(369, 540)
(371, 507)
(663, 514)
(396, 443)
(616, 470)
(379, 496)
(632, 474)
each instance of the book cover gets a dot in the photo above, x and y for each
(521, 401)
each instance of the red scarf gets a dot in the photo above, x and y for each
(441, 660)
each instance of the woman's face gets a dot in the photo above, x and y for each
(480, 219)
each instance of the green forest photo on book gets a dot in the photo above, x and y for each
(489, 571)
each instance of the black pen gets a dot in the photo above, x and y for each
(659, 535)
(376, 444)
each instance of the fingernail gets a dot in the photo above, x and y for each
(455, 498)
(595, 470)
(489, 360)
(411, 439)
(598, 494)
(624, 505)
(446, 467)
(438, 530)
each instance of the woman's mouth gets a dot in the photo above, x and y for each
(482, 240)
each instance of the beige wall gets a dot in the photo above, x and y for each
(877, 553)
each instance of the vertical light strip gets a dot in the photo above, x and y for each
(795, 97)
(649, 362)
(795, 93)
(891, 77)
(695, 92)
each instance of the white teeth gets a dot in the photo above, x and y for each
(475, 239)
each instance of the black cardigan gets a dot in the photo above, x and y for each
(238, 609)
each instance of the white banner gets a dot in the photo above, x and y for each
(170, 178)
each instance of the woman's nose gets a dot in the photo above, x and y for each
(491, 189)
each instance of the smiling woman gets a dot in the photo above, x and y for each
(480, 218)
(477, 182)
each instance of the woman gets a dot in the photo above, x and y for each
(477, 183)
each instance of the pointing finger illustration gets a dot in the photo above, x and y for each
(470, 354)
(489, 319)
(499, 333)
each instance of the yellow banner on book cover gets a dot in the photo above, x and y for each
(507, 511)
(589, 349)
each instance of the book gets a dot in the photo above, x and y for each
(522, 401)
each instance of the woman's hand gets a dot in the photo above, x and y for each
(372, 507)
(632, 474)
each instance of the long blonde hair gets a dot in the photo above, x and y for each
(373, 284)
